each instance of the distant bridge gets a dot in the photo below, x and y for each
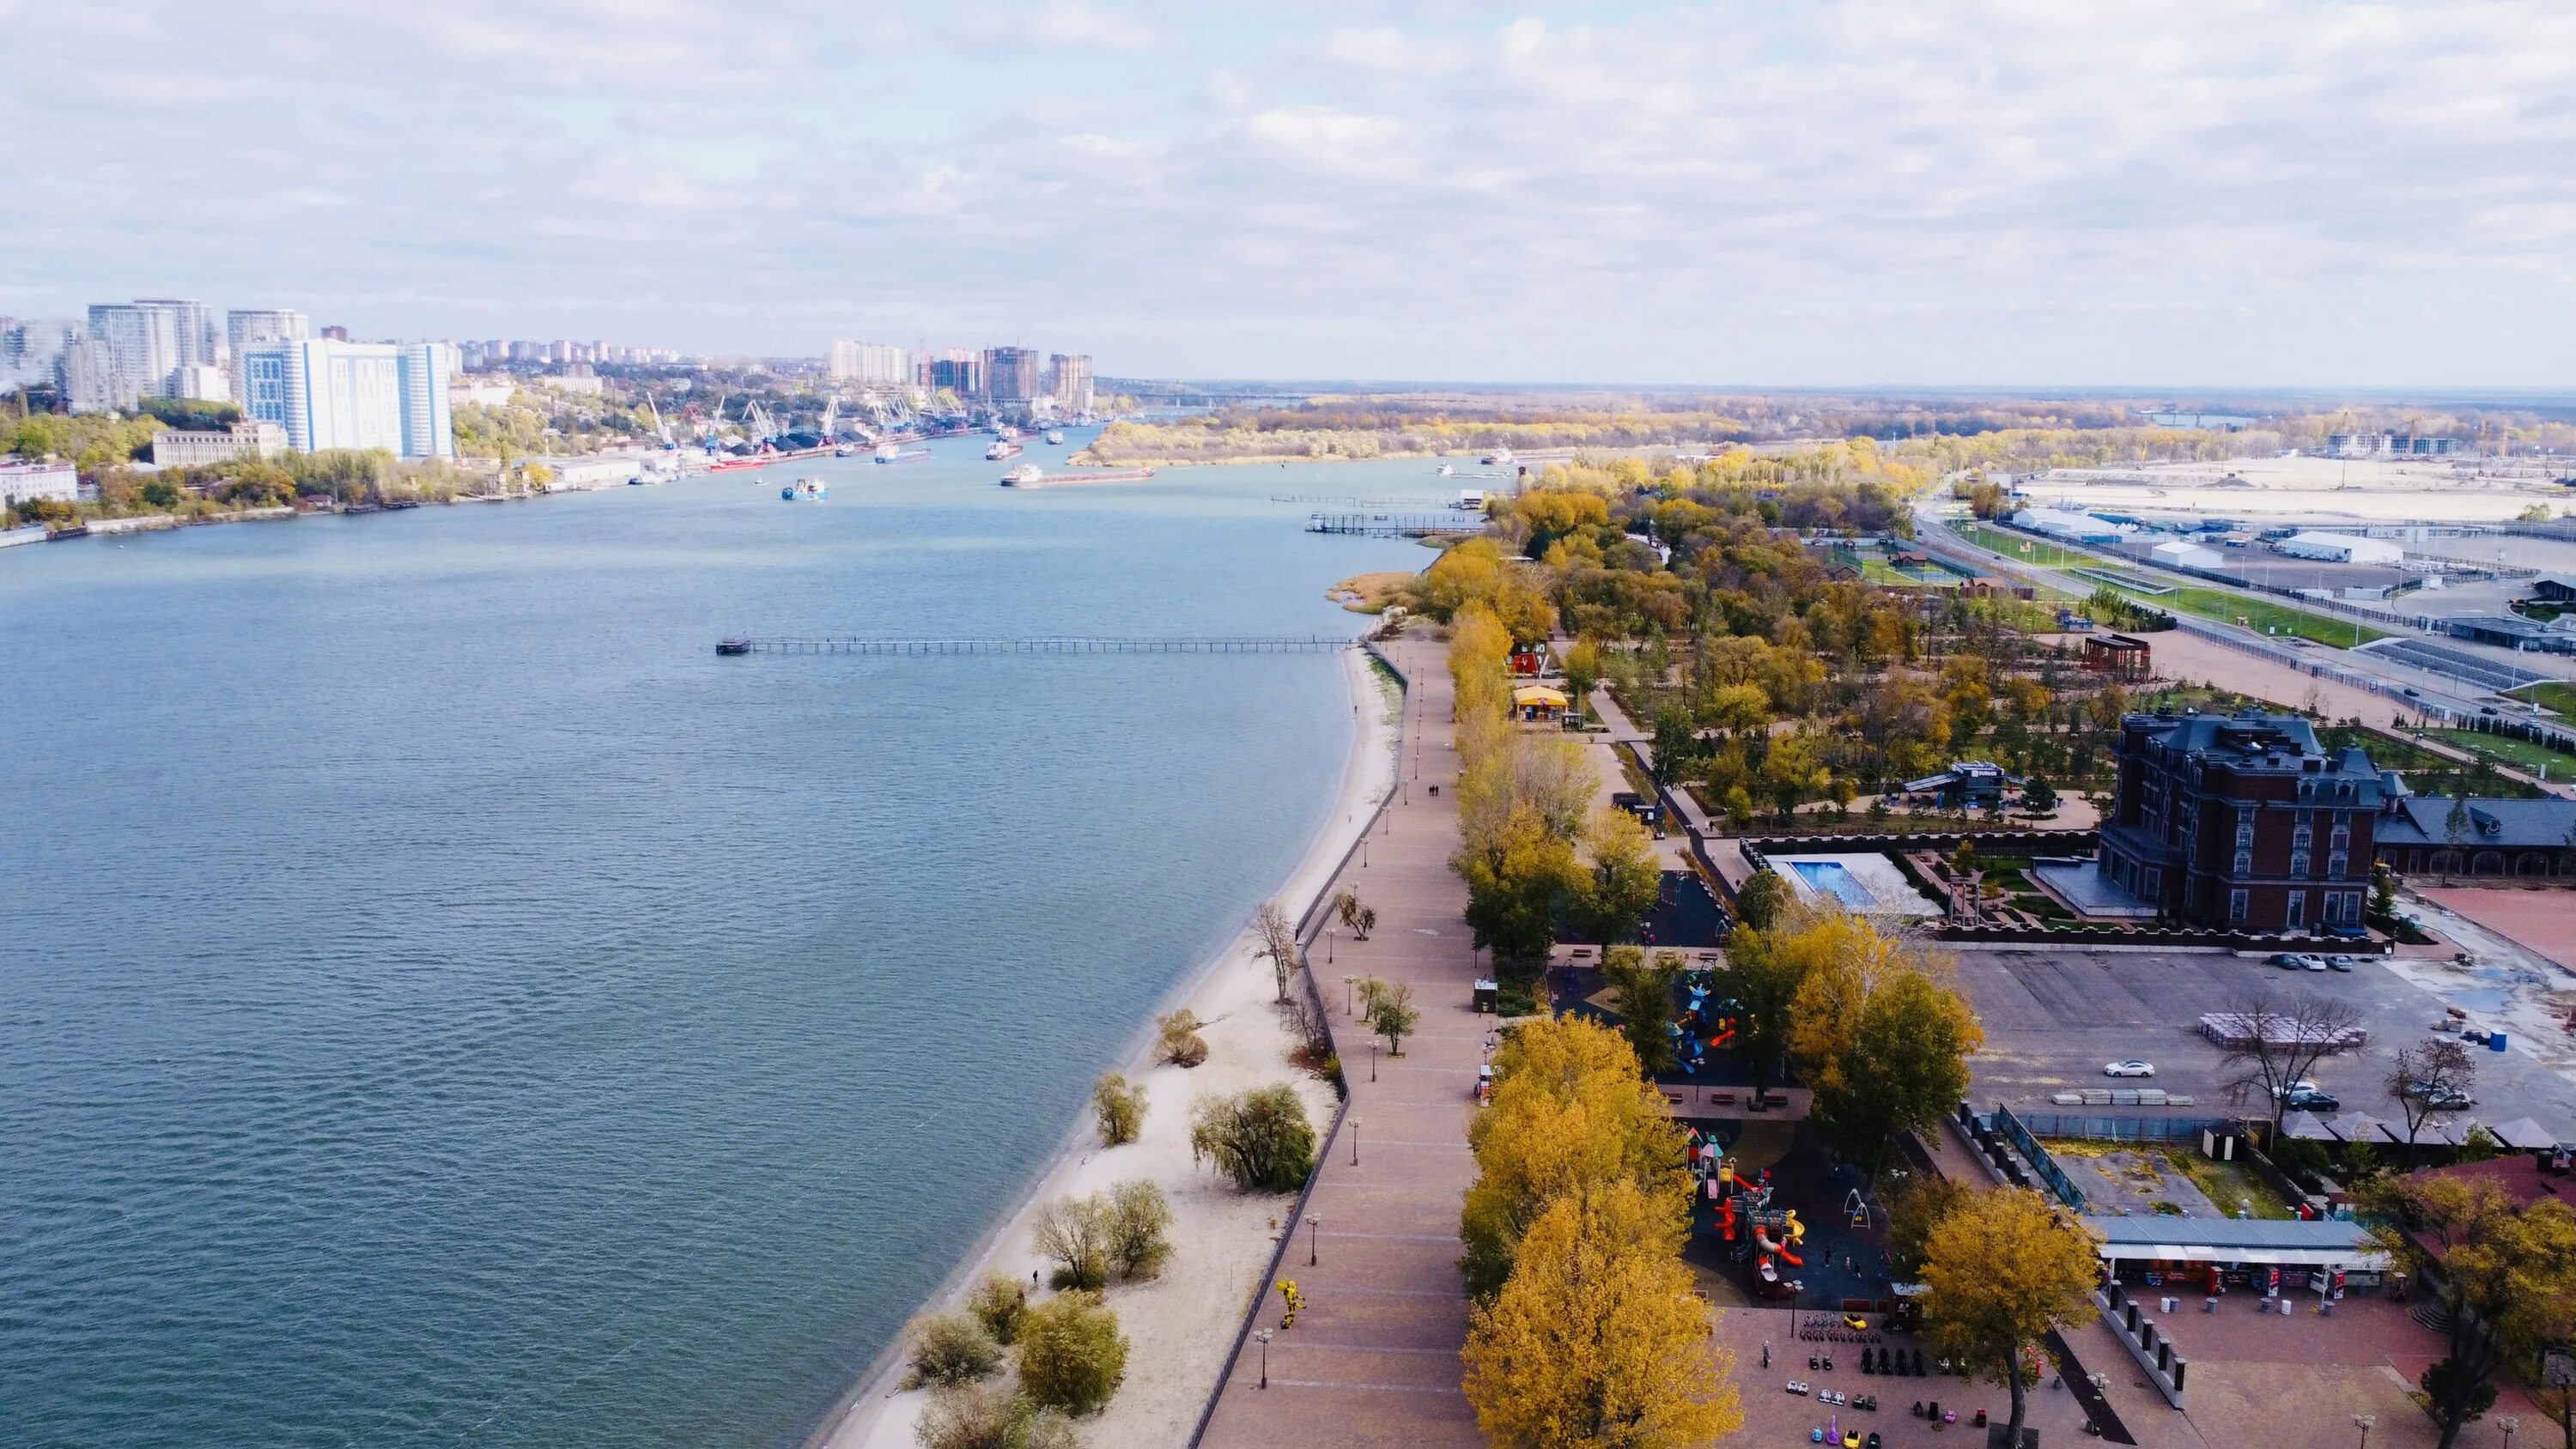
(1138, 644)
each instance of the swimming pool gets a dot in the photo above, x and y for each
(1830, 877)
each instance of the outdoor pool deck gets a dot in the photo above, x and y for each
(1867, 883)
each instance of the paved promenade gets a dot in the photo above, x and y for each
(1373, 1359)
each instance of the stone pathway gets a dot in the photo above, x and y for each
(1373, 1359)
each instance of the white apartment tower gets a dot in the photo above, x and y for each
(331, 394)
(871, 364)
(245, 329)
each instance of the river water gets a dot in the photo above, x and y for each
(441, 1002)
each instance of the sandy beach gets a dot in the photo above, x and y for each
(1181, 1325)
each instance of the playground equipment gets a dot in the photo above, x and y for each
(1704, 1025)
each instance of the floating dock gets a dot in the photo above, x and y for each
(1393, 525)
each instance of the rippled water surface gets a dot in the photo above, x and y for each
(441, 1002)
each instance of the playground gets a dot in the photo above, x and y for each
(1775, 1217)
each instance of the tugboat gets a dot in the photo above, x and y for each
(1002, 448)
(1027, 475)
(1499, 458)
(805, 490)
(1056, 436)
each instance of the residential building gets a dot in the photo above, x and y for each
(2443, 835)
(201, 382)
(193, 337)
(486, 390)
(959, 371)
(89, 379)
(332, 394)
(142, 343)
(1011, 376)
(186, 448)
(245, 328)
(2241, 822)
(30, 350)
(2340, 548)
(1069, 381)
(871, 364)
(335, 334)
(21, 480)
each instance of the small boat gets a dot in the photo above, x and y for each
(1446, 470)
(1056, 436)
(1500, 457)
(1027, 475)
(1002, 448)
(894, 453)
(738, 644)
(805, 490)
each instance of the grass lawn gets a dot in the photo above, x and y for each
(2550, 694)
(2521, 754)
(2227, 1184)
(2022, 546)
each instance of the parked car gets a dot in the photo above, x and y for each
(2411, 692)
(2283, 959)
(2441, 1098)
(2130, 1068)
(2312, 963)
(2313, 1102)
(2294, 1088)
(2487, 710)
(2340, 963)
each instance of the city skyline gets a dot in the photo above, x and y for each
(2285, 193)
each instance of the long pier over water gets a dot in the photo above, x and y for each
(1132, 644)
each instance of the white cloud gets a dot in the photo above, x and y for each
(1934, 189)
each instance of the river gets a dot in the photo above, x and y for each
(442, 1002)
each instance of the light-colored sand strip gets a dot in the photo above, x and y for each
(1181, 1326)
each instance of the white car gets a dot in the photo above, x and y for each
(2130, 1068)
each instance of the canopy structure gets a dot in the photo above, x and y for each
(2306, 1126)
(2523, 1135)
(2318, 1243)
(1539, 696)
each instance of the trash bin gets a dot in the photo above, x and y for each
(2495, 1041)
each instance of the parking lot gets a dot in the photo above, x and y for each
(2054, 1017)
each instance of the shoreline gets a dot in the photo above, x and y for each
(1221, 1244)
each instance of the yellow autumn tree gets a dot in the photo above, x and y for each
(1598, 1339)
(2005, 1266)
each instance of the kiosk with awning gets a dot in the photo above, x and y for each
(2256, 1253)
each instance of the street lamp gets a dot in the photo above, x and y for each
(1262, 1336)
(2508, 1424)
(1314, 1230)
(1372, 1059)
(1355, 1142)
(1348, 987)
(2365, 1421)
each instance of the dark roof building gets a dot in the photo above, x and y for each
(2507, 631)
(2494, 837)
(2241, 822)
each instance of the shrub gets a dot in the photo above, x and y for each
(1139, 1221)
(991, 1417)
(1072, 1355)
(953, 1348)
(1120, 1106)
(1180, 1043)
(997, 1303)
(1261, 1139)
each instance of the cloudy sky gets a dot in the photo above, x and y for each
(2005, 192)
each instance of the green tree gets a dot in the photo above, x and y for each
(1074, 1232)
(997, 1302)
(990, 1416)
(953, 1348)
(1259, 1139)
(1913, 1210)
(1176, 1039)
(2005, 1268)
(1762, 900)
(1072, 1356)
(1905, 1070)
(1642, 992)
(1139, 1220)
(1120, 1107)
(1582, 670)
(1515, 883)
(1626, 877)
(1390, 1011)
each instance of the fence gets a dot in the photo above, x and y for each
(2122, 1129)
(2037, 1156)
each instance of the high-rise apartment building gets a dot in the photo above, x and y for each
(248, 327)
(1069, 381)
(870, 364)
(88, 376)
(335, 334)
(142, 346)
(957, 370)
(328, 393)
(1011, 376)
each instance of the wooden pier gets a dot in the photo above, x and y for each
(1394, 525)
(1156, 644)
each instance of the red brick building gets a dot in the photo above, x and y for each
(2241, 822)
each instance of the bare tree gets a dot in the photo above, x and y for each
(2282, 1041)
(1277, 936)
(2425, 1078)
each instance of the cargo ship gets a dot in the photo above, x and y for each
(1002, 448)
